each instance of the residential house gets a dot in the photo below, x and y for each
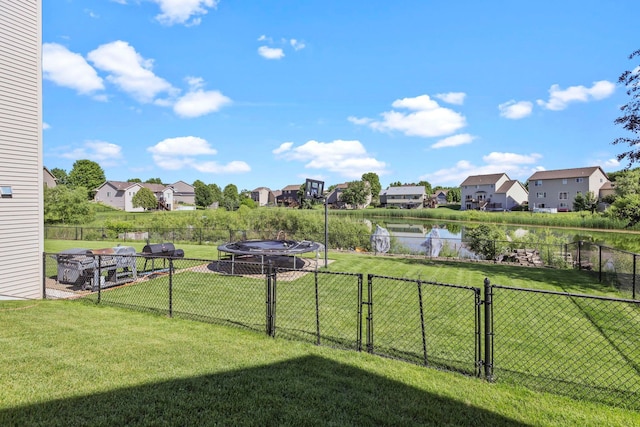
(183, 194)
(334, 197)
(50, 181)
(119, 195)
(495, 192)
(439, 197)
(21, 168)
(289, 195)
(263, 196)
(557, 189)
(403, 197)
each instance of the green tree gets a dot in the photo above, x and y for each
(626, 208)
(454, 195)
(427, 187)
(145, 199)
(87, 174)
(486, 240)
(153, 181)
(355, 194)
(395, 184)
(630, 118)
(134, 180)
(216, 193)
(67, 206)
(374, 183)
(231, 199)
(585, 202)
(627, 182)
(62, 178)
(204, 195)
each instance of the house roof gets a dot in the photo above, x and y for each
(261, 189)
(483, 179)
(566, 173)
(504, 188)
(293, 187)
(404, 189)
(156, 188)
(119, 185)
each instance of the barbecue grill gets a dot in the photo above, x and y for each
(95, 268)
(160, 250)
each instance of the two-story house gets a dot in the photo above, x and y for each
(183, 193)
(119, 195)
(263, 196)
(403, 197)
(557, 189)
(494, 192)
(334, 198)
(289, 195)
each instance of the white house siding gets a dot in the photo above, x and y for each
(21, 168)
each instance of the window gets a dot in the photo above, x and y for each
(538, 183)
(6, 192)
(579, 179)
(541, 195)
(108, 193)
(564, 181)
(563, 195)
(563, 205)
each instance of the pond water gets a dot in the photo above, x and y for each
(432, 238)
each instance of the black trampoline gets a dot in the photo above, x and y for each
(281, 253)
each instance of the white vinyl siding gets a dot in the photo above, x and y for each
(21, 168)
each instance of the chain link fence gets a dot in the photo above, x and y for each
(583, 346)
(613, 267)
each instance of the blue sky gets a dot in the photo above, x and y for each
(270, 92)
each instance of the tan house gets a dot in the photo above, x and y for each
(334, 198)
(492, 192)
(49, 180)
(183, 193)
(21, 168)
(119, 195)
(263, 196)
(557, 189)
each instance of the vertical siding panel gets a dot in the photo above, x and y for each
(21, 142)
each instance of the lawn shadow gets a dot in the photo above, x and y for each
(309, 390)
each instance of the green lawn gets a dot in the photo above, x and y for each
(68, 363)
(581, 347)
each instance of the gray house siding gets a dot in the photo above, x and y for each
(21, 168)
(557, 189)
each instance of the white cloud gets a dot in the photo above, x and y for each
(428, 119)
(270, 52)
(517, 166)
(297, 44)
(456, 98)
(359, 121)
(187, 151)
(45, 126)
(560, 99)
(285, 146)
(199, 103)
(129, 71)
(347, 158)
(69, 69)
(180, 11)
(611, 164)
(454, 141)
(515, 110)
(105, 153)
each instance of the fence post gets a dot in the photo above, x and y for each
(170, 287)
(44, 275)
(315, 273)
(269, 299)
(600, 263)
(370, 314)
(359, 337)
(99, 278)
(424, 335)
(488, 330)
(634, 276)
(579, 254)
